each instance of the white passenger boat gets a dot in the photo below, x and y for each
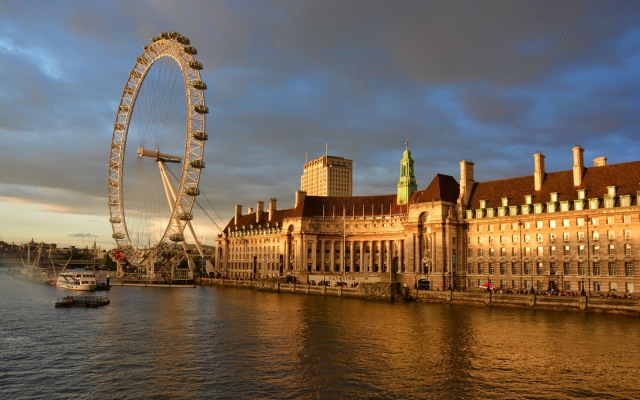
(77, 280)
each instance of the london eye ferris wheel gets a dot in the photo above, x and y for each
(156, 156)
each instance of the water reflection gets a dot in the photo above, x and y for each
(228, 343)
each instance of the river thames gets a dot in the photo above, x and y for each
(210, 342)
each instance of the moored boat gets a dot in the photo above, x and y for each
(82, 301)
(77, 280)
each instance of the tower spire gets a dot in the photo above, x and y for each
(407, 181)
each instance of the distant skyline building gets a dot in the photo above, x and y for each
(328, 176)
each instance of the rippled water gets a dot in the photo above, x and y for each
(227, 343)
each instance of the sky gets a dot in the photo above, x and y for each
(488, 81)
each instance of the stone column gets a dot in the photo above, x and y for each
(314, 258)
(322, 262)
(332, 256)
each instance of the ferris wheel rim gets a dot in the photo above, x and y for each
(177, 47)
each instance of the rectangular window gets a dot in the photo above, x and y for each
(567, 286)
(567, 250)
(580, 221)
(514, 239)
(594, 221)
(470, 268)
(628, 268)
(552, 223)
(627, 249)
(503, 268)
(540, 251)
(539, 238)
(626, 219)
(491, 252)
(492, 269)
(610, 219)
(581, 250)
(514, 284)
(527, 251)
(503, 227)
(527, 268)
(552, 236)
(552, 268)
(611, 235)
(514, 251)
(480, 268)
(580, 235)
(514, 268)
(596, 268)
(503, 252)
(613, 271)
(581, 268)
(595, 235)
(566, 236)
(527, 238)
(539, 224)
(626, 233)
(514, 225)
(567, 268)
(596, 249)
(612, 249)
(503, 239)
(552, 250)
(539, 269)
(527, 225)
(490, 239)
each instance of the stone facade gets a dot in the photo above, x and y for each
(564, 231)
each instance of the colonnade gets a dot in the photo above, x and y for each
(338, 255)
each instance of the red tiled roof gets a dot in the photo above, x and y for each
(441, 188)
(625, 177)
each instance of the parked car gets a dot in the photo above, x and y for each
(324, 283)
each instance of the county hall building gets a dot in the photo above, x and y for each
(566, 231)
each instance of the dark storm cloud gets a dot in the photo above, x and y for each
(490, 81)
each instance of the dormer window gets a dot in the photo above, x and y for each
(594, 203)
(554, 196)
(611, 191)
(483, 204)
(527, 199)
(625, 201)
(505, 201)
(582, 194)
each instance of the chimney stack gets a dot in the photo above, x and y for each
(578, 165)
(238, 214)
(272, 208)
(466, 180)
(300, 195)
(259, 210)
(600, 161)
(538, 171)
